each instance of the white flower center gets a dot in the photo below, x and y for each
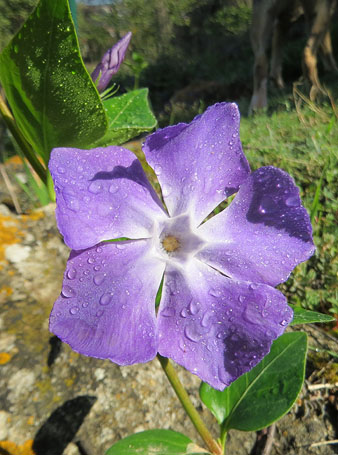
(175, 240)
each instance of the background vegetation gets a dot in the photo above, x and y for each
(192, 53)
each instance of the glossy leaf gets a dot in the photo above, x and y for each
(264, 394)
(301, 316)
(164, 442)
(50, 92)
(128, 116)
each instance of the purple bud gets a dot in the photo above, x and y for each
(111, 62)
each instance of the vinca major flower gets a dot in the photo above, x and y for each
(219, 311)
(111, 62)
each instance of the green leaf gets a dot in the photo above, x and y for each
(260, 397)
(50, 92)
(301, 316)
(128, 116)
(163, 442)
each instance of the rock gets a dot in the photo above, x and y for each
(62, 400)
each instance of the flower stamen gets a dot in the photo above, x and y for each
(171, 243)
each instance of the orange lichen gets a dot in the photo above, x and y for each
(9, 234)
(14, 449)
(33, 216)
(5, 291)
(30, 420)
(4, 358)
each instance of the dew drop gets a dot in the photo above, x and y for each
(194, 307)
(74, 310)
(267, 205)
(215, 292)
(71, 273)
(283, 323)
(292, 201)
(166, 190)
(99, 313)
(158, 169)
(85, 304)
(184, 313)
(106, 298)
(61, 170)
(192, 333)
(99, 278)
(95, 187)
(113, 189)
(241, 298)
(206, 319)
(168, 312)
(90, 260)
(68, 292)
(253, 286)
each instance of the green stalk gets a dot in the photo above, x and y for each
(223, 438)
(21, 141)
(194, 416)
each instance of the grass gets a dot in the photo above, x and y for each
(304, 143)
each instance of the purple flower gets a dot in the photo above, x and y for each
(219, 311)
(111, 62)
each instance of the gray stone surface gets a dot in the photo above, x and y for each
(114, 401)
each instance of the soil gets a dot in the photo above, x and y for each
(56, 401)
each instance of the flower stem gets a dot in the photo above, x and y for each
(194, 416)
(21, 141)
(223, 438)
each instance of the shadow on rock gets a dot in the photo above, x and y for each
(62, 425)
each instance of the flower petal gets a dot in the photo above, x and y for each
(199, 164)
(111, 62)
(263, 234)
(215, 327)
(107, 305)
(102, 194)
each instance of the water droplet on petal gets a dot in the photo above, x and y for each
(158, 169)
(215, 292)
(95, 187)
(106, 298)
(206, 319)
(292, 201)
(113, 189)
(99, 313)
(267, 205)
(74, 310)
(71, 273)
(283, 323)
(253, 286)
(61, 170)
(90, 260)
(68, 292)
(85, 304)
(168, 312)
(192, 333)
(184, 313)
(99, 278)
(241, 298)
(194, 307)
(166, 190)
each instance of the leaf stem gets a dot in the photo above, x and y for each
(21, 141)
(194, 416)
